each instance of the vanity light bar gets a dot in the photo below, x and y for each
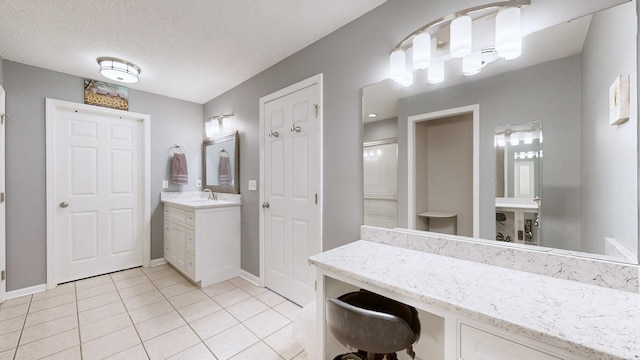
(508, 40)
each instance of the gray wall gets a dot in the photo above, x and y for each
(380, 130)
(548, 92)
(610, 153)
(350, 58)
(172, 121)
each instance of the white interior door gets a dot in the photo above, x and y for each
(97, 173)
(524, 179)
(291, 181)
(3, 213)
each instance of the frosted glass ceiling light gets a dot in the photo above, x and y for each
(500, 140)
(472, 63)
(435, 74)
(460, 36)
(118, 70)
(406, 80)
(508, 37)
(398, 62)
(421, 51)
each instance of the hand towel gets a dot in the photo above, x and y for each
(179, 174)
(224, 171)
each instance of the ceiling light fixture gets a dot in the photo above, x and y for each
(508, 42)
(118, 70)
(216, 125)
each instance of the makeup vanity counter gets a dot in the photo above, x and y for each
(511, 309)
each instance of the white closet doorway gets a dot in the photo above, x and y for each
(291, 178)
(97, 191)
(3, 212)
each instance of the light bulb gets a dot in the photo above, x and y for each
(421, 51)
(514, 139)
(508, 33)
(472, 63)
(398, 62)
(460, 36)
(528, 138)
(435, 74)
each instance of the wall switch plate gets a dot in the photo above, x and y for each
(165, 184)
(199, 183)
(253, 185)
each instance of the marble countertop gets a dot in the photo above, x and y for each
(587, 320)
(199, 203)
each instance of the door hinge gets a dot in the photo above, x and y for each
(2, 116)
(3, 275)
(316, 107)
(316, 198)
(1, 198)
(315, 284)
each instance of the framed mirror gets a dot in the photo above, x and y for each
(587, 180)
(221, 161)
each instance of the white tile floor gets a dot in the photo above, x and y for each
(149, 313)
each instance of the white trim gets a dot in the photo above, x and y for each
(411, 160)
(316, 79)
(255, 280)
(3, 205)
(26, 291)
(52, 105)
(157, 262)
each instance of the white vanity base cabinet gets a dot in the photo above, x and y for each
(203, 244)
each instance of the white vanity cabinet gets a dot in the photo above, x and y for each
(203, 243)
(476, 344)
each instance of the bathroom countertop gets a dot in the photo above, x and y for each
(587, 320)
(199, 203)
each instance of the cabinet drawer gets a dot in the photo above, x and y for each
(190, 266)
(175, 214)
(191, 241)
(191, 218)
(476, 344)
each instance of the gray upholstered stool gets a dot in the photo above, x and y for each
(375, 325)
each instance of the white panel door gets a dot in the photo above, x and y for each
(98, 185)
(291, 188)
(524, 179)
(3, 213)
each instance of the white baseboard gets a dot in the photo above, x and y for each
(157, 262)
(26, 291)
(250, 277)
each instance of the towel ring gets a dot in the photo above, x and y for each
(177, 147)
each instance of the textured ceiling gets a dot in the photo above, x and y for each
(190, 50)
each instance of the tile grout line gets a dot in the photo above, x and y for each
(24, 322)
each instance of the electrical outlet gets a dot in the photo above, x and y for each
(165, 184)
(199, 183)
(253, 185)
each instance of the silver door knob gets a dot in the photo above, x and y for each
(265, 205)
(64, 204)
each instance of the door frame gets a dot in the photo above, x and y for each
(411, 160)
(3, 204)
(316, 79)
(52, 106)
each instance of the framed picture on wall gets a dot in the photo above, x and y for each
(106, 95)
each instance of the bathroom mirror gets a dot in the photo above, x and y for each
(221, 163)
(519, 160)
(588, 175)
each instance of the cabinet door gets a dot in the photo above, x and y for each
(179, 246)
(168, 232)
(480, 345)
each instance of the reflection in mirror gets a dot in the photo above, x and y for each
(380, 166)
(518, 188)
(221, 163)
(588, 180)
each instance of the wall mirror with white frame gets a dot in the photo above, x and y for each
(588, 180)
(221, 162)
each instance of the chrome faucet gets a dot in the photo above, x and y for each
(210, 195)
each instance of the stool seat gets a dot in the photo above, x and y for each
(372, 323)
